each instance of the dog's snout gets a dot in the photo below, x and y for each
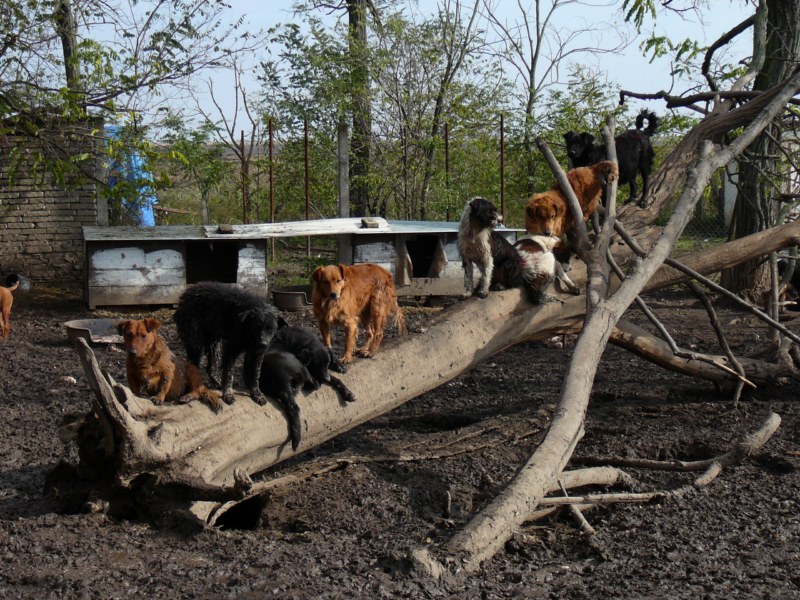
(334, 296)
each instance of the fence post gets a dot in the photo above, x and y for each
(245, 207)
(502, 169)
(308, 184)
(447, 169)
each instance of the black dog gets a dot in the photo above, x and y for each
(500, 264)
(634, 153)
(313, 354)
(282, 376)
(211, 314)
(792, 292)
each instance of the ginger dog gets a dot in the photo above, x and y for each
(6, 300)
(153, 369)
(346, 295)
(548, 213)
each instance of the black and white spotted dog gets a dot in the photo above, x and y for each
(502, 265)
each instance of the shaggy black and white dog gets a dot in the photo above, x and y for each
(212, 315)
(634, 152)
(501, 264)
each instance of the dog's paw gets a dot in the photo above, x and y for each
(642, 203)
(156, 400)
(346, 360)
(466, 295)
(482, 294)
(338, 367)
(228, 397)
(547, 298)
(258, 397)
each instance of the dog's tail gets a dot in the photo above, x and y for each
(400, 320)
(652, 122)
(339, 385)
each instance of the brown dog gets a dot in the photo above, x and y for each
(344, 295)
(152, 369)
(548, 213)
(6, 300)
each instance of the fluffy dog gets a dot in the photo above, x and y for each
(548, 213)
(152, 369)
(634, 152)
(500, 264)
(282, 376)
(314, 356)
(541, 265)
(346, 295)
(6, 300)
(212, 314)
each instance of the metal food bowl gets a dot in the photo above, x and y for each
(94, 331)
(292, 297)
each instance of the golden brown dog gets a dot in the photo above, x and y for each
(346, 295)
(548, 213)
(152, 369)
(6, 300)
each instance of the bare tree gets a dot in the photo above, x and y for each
(538, 53)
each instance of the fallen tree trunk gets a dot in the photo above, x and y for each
(189, 446)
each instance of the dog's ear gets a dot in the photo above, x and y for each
(281, 322)
(317, 274)
(568, 136)
(342, 270)
(151, 324)
(587, 138)
(122, 326)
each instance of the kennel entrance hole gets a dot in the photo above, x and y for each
(212, 261)
(423, 249)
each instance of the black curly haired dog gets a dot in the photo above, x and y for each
(212, 314)
(634, 153)
(500, 264)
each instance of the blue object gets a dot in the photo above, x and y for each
(135, 172)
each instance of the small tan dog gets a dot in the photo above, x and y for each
(153, 369)
(6, 300)
(346, 295)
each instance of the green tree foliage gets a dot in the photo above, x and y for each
(66, 62)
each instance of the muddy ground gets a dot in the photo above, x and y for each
(348, 533)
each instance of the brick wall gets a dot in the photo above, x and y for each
(42, 208)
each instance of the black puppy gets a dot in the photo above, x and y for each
(499, 263)
(314, 355)
(634, 153)
(282, 376)
(211, 314)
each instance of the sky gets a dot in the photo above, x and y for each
(632, 70)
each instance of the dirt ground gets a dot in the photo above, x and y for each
(348, 533)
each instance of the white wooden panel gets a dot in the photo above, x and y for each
(376, 252)
(125, 295)
(252, 269)
(134, 257)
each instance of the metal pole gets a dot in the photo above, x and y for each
(245, 218)
(502, 169)
(308, 185)
(271, 185)
(447, 169)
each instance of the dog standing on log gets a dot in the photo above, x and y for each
(548, 213)
(634, 153)
(212, 314)
(501, 265)
(152, 368)
(6, 300)
(346, 295)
